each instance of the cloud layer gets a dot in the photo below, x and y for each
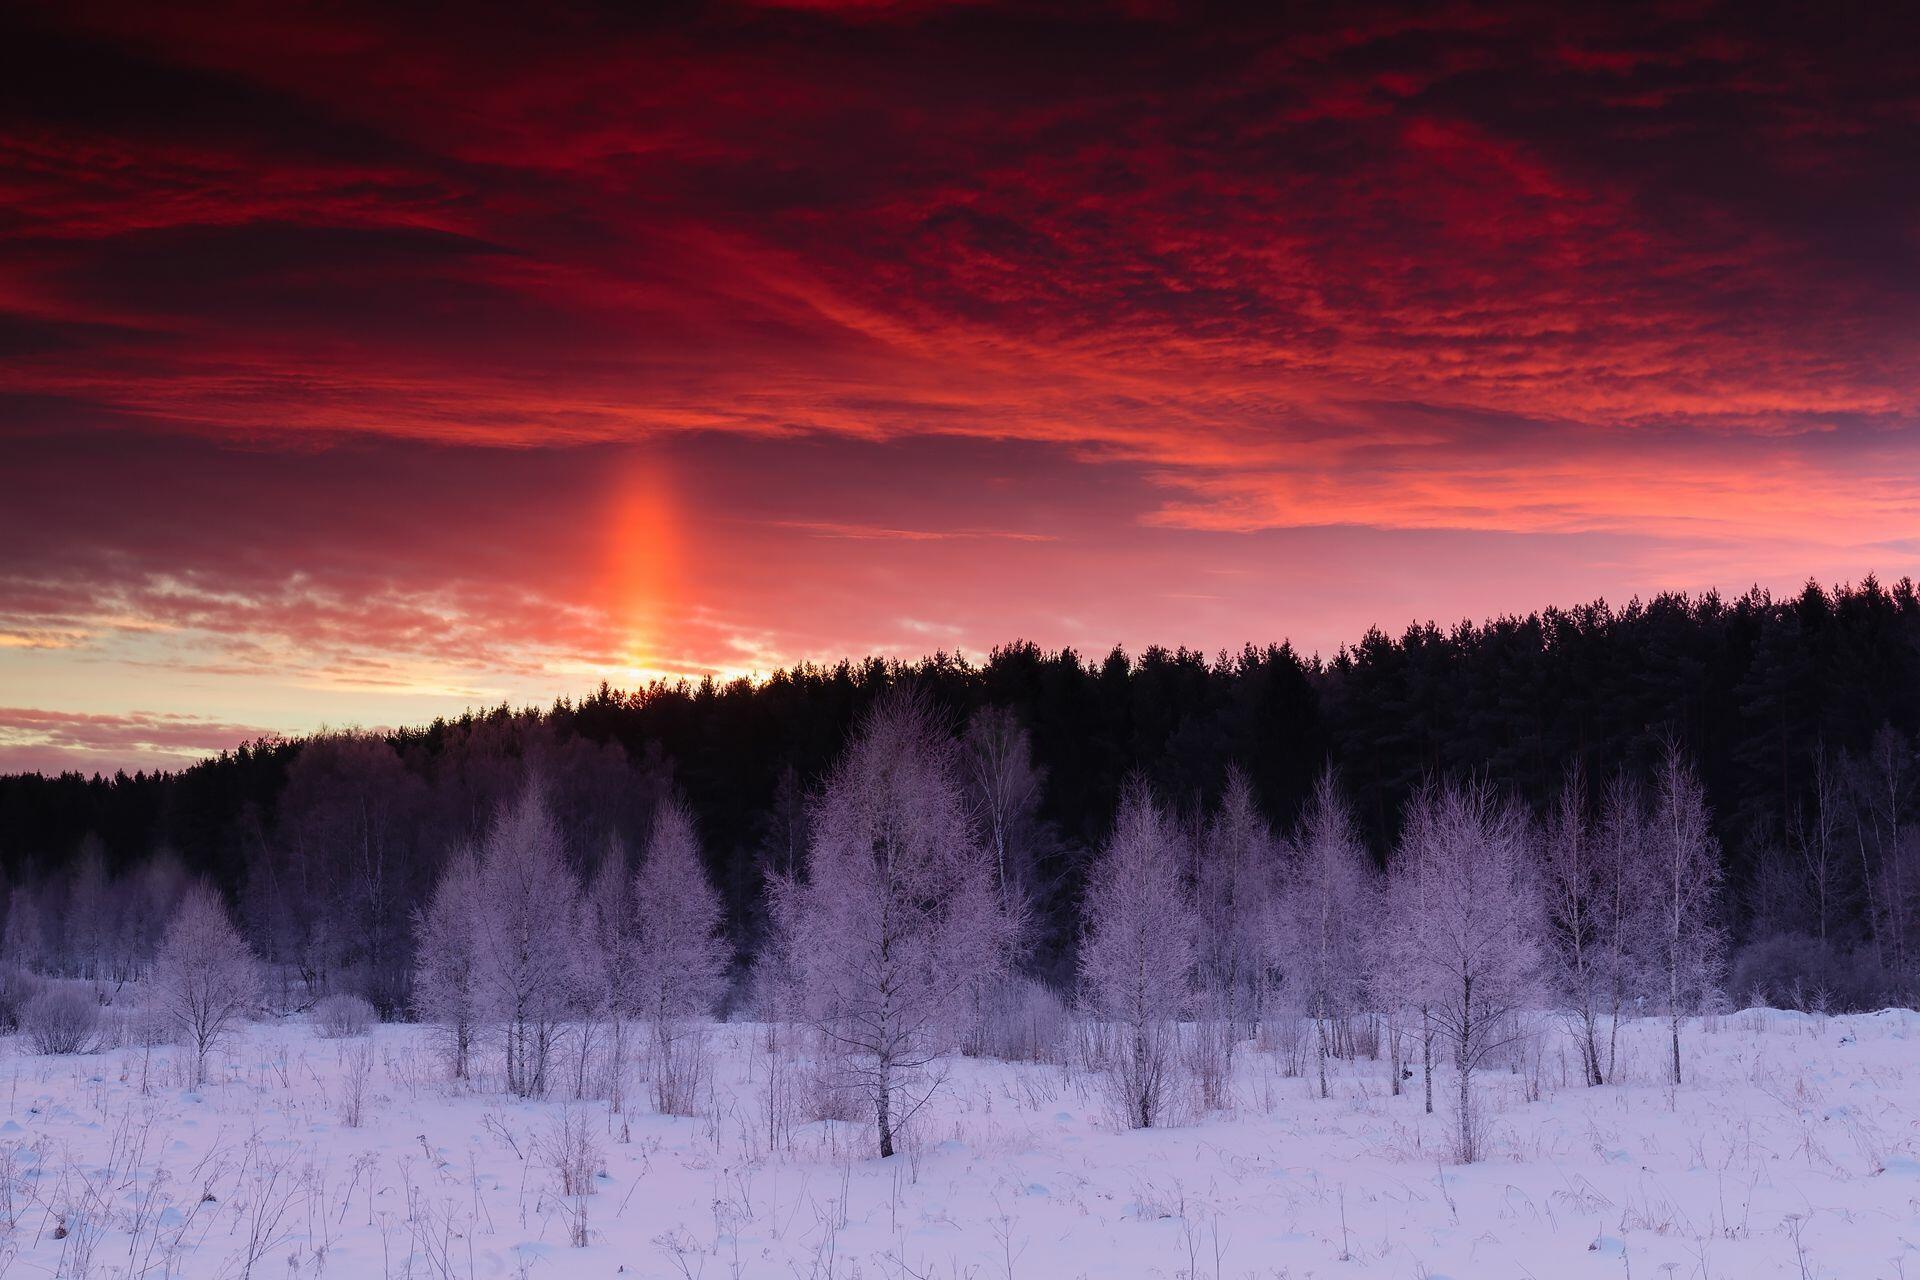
(355, 367)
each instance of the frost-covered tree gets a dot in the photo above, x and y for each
(1626, 870)
(1329, 916)
(1005, 786)
(680, 952)
(446, 992)
(1399, 987)
(1138, 955)
(1464, 928)
(1597, 884)
(1233, 900)
(609, 977)
(1683, 934)
(899, 912)
(527, 961)
(205, 977)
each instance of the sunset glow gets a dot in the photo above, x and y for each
(643, 583)
(359, 367)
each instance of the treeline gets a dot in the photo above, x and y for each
(1800, 715)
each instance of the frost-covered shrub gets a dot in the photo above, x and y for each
(339, 1016)
(1027, 1021)
(827, 1088)
(124, 1025)
(568, 1148)
(681, 1066)
(1206, 1050)
(1283, 1033)
(356, 1075)
(60, 1019)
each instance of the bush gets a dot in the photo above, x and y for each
(338, 1017)
(1207, 1046)
(682, 1063)
(60, 1020)
(125, 1025)
(826, 1088)
(1026, 1021)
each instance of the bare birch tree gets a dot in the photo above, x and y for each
(1882, 786)
(1817, 839)
(1685, 938)
(1625, 897)
(1594, 881)
(1005, 785)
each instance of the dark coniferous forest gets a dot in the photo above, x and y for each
(1800, 713)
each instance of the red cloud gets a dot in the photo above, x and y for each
(373, 323)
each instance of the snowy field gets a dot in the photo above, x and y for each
(1792, 1151)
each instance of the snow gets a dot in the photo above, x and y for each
(1792, 1150)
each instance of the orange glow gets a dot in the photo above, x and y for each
(643, 566)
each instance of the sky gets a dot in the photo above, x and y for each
(361, 365)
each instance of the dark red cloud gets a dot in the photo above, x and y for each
(387, 352)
